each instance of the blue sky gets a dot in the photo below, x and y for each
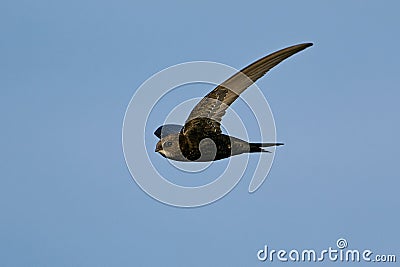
(69, 69)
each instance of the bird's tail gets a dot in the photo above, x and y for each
(258, 147)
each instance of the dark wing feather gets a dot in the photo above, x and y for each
(205, 118)
(167, 129)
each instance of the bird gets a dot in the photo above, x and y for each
(201, 139)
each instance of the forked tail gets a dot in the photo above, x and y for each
(258, 147)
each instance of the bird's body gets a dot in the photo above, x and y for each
(201, 138)
(211, 148)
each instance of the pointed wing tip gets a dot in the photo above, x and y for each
(303, 46)
(306, 44)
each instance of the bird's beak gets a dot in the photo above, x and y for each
(160, 150)
(158, 147)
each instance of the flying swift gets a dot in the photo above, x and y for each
(200, 138)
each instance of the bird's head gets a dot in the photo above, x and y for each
(168, 147)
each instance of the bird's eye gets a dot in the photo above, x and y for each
(167, 144)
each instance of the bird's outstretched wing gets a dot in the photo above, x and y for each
(205, 118)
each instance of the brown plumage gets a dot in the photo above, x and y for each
(201, 138)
